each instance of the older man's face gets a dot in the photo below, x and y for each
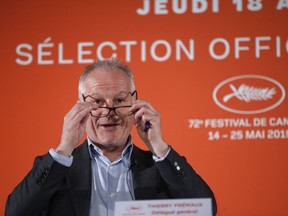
(109, 89)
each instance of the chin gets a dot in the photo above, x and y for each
(109, 142)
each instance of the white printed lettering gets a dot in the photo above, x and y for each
(239, 48)
(82, 53)
(255, 134)
(161, 7)
(146, 8)
(143, 51)
(179, 9)
(61, 55)
(189, 52)
(20, 51)
(42, 52)
(274, 122)
(106, 44)
(199, 6)
(258, 46)
(282, 4)
(167, 53)
(226, 48)
(128, 45)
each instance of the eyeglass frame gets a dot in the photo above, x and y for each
(111, 108)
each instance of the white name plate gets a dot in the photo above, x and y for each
(170, 207)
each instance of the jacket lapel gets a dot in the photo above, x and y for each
(144, 174)
(79, 180)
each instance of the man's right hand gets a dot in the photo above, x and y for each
(74, 127)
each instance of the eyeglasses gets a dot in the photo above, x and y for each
(102, 111)
(121, 111)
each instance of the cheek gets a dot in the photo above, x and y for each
(91, 125)
(130, 122)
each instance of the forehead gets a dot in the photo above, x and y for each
(103, 82)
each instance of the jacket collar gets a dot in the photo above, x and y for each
(79, 176)
(79, 180)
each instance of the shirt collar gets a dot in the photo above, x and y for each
(94, 150)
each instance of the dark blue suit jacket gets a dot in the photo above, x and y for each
(51, 189)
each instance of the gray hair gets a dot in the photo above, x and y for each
(108, 65)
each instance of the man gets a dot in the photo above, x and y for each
(87, 180)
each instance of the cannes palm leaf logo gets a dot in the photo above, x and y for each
(249, 93)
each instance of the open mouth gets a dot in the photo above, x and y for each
(109, 126)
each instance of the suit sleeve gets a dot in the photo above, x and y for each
(33, 193)
(182, 180)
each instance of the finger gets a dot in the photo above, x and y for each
(80, 111)
(138, 104)
(143, 115)
(142, 107)
(147, 121)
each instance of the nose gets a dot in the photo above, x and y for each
(111, 112)
(109, 103)
(108, 111)
(105, 111)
